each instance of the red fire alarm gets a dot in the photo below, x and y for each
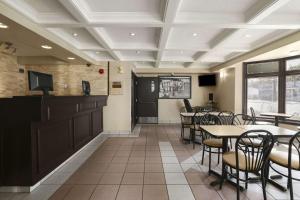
(101, 71)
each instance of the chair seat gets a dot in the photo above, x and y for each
(230, 159)
(281, 158)
(263, 123)
(251, 142)
(216, 143)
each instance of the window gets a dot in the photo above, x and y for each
(273, 86)
(262, 94)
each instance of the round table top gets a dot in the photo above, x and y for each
(271, 114)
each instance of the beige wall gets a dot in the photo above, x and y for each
(117, 113)
(66, 78)
(169, 109)
(225, 91)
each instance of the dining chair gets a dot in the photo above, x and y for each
(226, 117)
(186, 122)
(242, 119)
(249, 158)
(199, 119)
(253, 115)
(287, 157)
(210, 144)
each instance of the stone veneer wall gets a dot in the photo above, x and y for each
(66, 78)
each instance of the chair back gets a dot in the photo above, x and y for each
(226, 117)
(253, 114)
(209, 119)
(242, 119)
(187, 105)
(252, 149)
(294, 150)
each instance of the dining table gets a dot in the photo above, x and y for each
(226, 132)
(276, 116)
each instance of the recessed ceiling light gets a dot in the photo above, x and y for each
(46, 46)
(75, 34)
(97, 52)
(181, 52)
(3, 25)
(138, 52)
(132, 34)
(195, 34)
(71, 58)
(248, 36)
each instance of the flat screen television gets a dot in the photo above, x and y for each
(40, 81)
(207, 80)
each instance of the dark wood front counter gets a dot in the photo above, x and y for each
(38, 133)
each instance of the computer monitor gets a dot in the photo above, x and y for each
(40, 81)
(86, 88)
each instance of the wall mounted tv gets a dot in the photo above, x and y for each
(207, 80)
(40, 81)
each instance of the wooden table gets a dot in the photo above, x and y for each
(225, 132)
(277, 116)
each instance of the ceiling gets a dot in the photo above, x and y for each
(28, 45)
(163, 33)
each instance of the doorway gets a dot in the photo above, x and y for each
(146, 89)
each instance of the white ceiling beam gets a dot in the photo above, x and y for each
(253, 15)
(262, 9)
(172, 7)
(76, 11)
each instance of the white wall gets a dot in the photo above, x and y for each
(117, 113)
(169, 109)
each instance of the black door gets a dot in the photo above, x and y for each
(147, 99)
(134, 118)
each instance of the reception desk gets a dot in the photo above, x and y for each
(38, 133)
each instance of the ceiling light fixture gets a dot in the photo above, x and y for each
(132, 34)
(71, 58)
(195, 34)
(181, 52)
(97, 52)
(44, 46)
(248, 36)
(75, 34)
(3, 25)
(138, 52)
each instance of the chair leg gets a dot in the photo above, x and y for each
(218, 156)
(203, 150)
(263, 182)
(182, 132)
(209, 161)
(290, 182)
(246, 177)
(237, 184)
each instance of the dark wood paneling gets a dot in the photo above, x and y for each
(82, 130)
(38, 133)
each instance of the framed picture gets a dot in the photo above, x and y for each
(174, 87)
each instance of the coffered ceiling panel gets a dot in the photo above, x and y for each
(191, 33)
(79, 37)
(131, 37)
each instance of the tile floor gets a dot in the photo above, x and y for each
(153, 166)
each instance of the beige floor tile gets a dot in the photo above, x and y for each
(154, 178)
(119, 159)
(80, 192)
(135, 167)
(61, 192)
(200, 190)
(154, 167)
(105, 192)
(111, 178)
(136, 160)
(117, 168)
(133, 178)
(153, 160)
(84, 178)
(130, 192)
(155, 192)
(199, 178)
